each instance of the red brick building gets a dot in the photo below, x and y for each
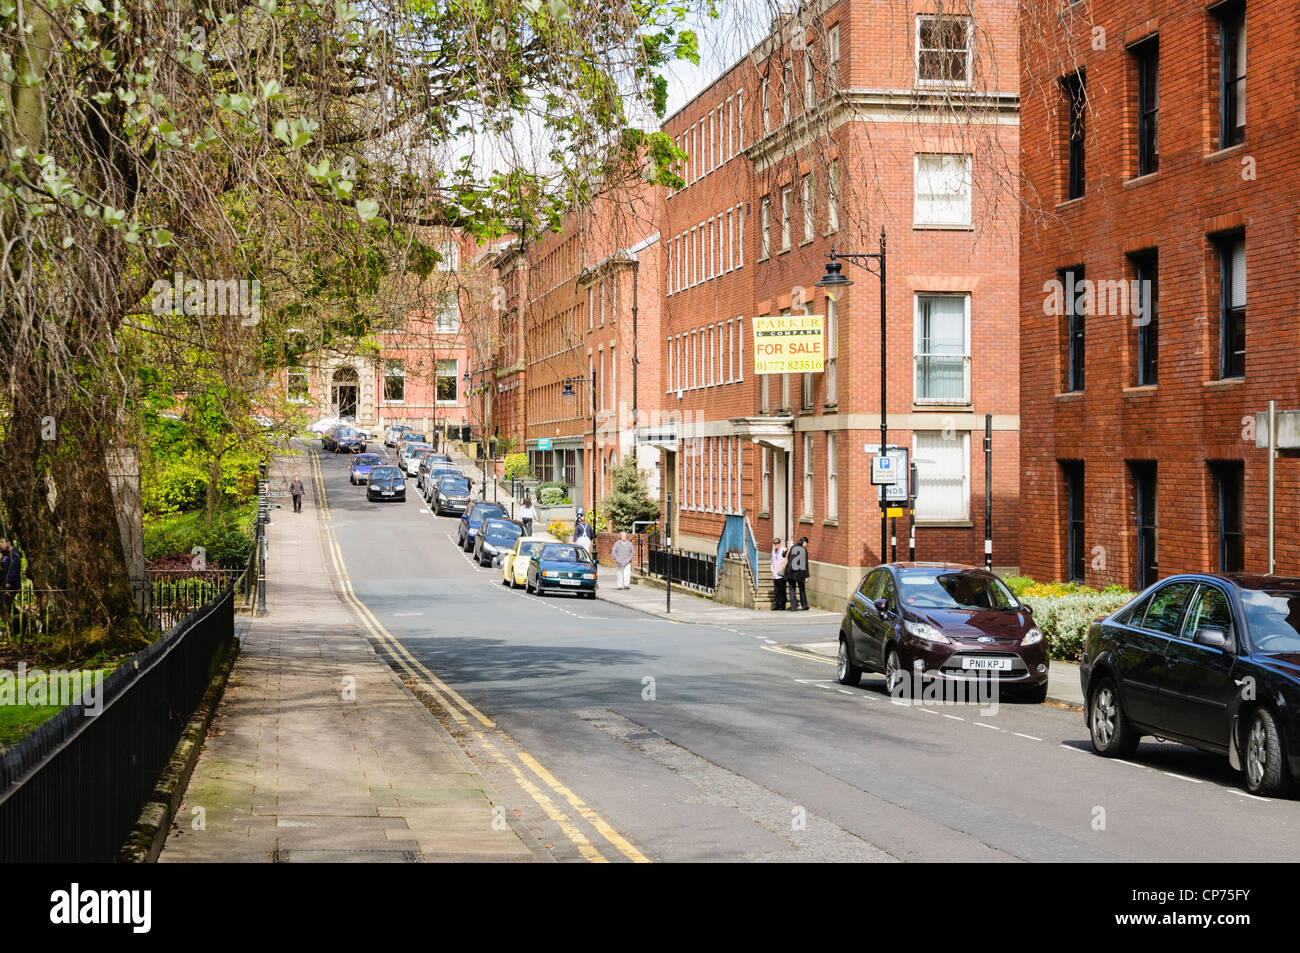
(578, 327)
(1160, 191)
(844, 120)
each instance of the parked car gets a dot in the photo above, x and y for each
(392, 433)
(494, 538)
(514, 564)
(409, 458)
(362, 464)
(386, 483)
(450, 495)
(1209, 660)
(410, 436)
(561, 567)
(326, 424)
(940, 621)
(344, 439)
(429, 472)
(473, 518)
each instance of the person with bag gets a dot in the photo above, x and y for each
(778, 576)
(796, 574)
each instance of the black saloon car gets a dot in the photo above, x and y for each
(934, 622)
(1209, 660)
(473, 518)
(386, 483)
(495, 538)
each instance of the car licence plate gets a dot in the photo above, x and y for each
(986, 664)
(385, 492)
(569, 582)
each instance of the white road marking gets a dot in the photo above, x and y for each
(1071, 748)
(1182, 778)
(845, 691)
(954, 717)
(927, 711)
(1131, 764)
(1253, 797)
(1030, 737)
(982, 725)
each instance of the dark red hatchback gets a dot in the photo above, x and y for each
(920, 622)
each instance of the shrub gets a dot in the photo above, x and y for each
(551, 494)
(517, 467)
(628, 501)
(1064, 619)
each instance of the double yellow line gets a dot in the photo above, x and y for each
(490, 736)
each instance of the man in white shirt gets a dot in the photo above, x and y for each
(778, 575)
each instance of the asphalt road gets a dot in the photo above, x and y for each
(615, 735)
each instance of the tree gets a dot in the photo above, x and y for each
(628, 502)
(300, 145)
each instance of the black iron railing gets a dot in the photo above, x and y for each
(686, 568)
(72, 789)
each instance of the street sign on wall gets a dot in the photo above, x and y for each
(543, 443)
(789, 344)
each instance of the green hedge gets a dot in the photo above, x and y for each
(1065, 619)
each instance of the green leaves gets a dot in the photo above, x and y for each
(367, 209)
(296, 133)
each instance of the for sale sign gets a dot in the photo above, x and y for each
(790, 344)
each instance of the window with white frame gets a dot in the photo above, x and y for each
(943, 49)
(833, 195)
(447, 312)
(740, 120)
(731, 351)
(766, 501)
(807, 197)
(943, 348)
(446, 386)
(830, 379)
(740, 236)
(942, 190)
(731, 239)
(833, 56)
(297, 384)
(832, 476)
(672, 364)
(767, 105)
(708, 249)
(785, 218)
(394, 381)
(449, 256)
(765, 393)
(943, 475)
(740, 348)
(807, 474)
(765, 228)
(809, 82)
(787, 90)
(740, 475)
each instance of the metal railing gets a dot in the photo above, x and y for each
(72, 789)
(683, 567)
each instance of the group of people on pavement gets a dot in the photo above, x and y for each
(790, 575)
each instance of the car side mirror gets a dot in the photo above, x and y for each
(882, 606)
(1029, 610)
(1212, 637)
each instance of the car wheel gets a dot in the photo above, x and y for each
(528, 587)
(1265, 756)
(846, 673)
(1112, 735)
(896, 680)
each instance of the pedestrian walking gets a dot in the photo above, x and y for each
(527, 513)
(778, 576)
(623, 552)
(297, 490)
(796, 574)
(583, 534)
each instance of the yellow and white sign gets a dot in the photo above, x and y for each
(790, 344)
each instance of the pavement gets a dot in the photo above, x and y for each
(691, 606)
(1063, 687)
(318, 752)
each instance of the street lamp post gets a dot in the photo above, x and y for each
(568, 394)
(482, 422)
(874, 263)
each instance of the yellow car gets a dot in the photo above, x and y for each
(514, 566)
